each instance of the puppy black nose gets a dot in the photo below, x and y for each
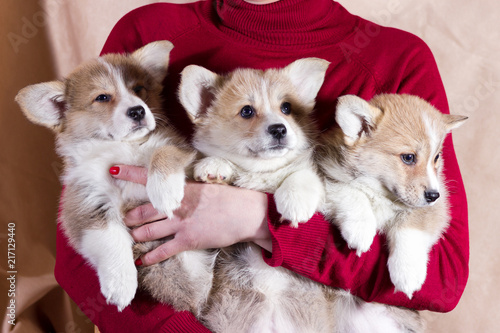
(136, 113)
(278, 131)
(431, 196)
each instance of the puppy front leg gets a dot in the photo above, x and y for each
(299, 196)
(214, 170)
(409, 250)
(351, 211)
(109, 250)
(167, 177)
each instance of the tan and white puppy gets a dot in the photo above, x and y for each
(254, 129)
(382, 168)
(256, 132)
(107, 112)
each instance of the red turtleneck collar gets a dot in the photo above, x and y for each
(283, 23)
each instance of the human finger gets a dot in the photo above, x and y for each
(142, 214)
(130, 173)
(153, 231)
(162, 252)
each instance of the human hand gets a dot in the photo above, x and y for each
(210, 216)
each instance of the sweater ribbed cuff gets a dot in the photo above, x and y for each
(183, 322)
(299, 249)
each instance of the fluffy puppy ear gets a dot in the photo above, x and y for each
(154, 57)
(195, 90)
(454, 121)
(307, 75)
(356, 117)
(43, 103)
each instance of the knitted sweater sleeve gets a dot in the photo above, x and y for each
(317, 250)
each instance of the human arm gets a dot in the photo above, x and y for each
(366, 275)
(208, 218)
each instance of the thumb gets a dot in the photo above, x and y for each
(130, 173)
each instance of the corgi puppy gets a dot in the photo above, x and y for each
(254, 130)
(257, 133)
(382, 168)
(107, 112)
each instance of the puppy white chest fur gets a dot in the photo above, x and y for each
(384, 208)
(89, 162)
(269, 178)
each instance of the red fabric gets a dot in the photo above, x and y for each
(366, 60)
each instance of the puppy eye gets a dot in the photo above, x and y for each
(286, 108)
(408, 159)
(138, 89)
(247, 112)
(437, 158)
(103, 98)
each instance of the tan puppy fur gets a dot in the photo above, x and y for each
(382, 168)
(108, 112)
(253, 128)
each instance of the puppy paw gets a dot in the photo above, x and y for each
(213, 170)
(166, 191)
(407, 273)
(118, 285)
(295, 205)
(359, 231)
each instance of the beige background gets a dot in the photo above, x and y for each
(43, 40)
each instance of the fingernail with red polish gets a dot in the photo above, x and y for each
(114, 170)
(138, 262)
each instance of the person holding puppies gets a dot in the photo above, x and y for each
(365, 60)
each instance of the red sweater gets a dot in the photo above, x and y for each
(366, 60)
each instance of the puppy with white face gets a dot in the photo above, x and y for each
(382, 169)
(254, 129)
(107, 112)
